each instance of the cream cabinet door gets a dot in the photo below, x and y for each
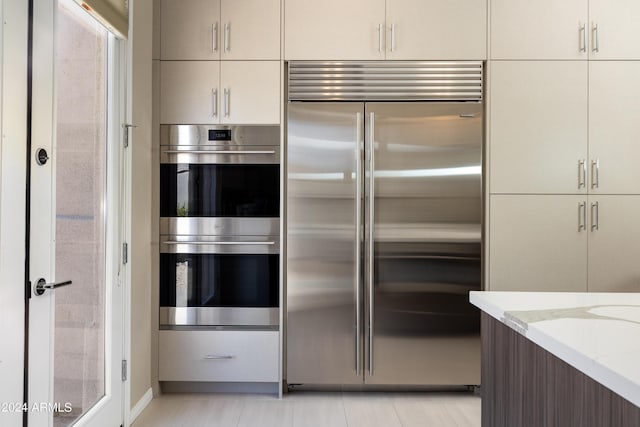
(250, 92)
(538, 127)
(615, 33)
(614, 244)
(538, 243)
(334, 29)
(614, 127)
(189, 92)
(190, 29)
(250, 29)
(541, 29)
(233, 356)
(437, 29)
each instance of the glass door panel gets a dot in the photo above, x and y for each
(81, 138)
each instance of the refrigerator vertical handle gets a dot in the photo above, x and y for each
(370, 254)
(358, 268)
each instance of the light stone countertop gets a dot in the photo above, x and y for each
(596, 333)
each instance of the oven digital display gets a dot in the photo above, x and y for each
(219, 134)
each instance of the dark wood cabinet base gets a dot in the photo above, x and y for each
(524, 385)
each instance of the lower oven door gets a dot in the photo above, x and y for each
(219, 281)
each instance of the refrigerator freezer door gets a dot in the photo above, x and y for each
(324, 341)
(426, 243)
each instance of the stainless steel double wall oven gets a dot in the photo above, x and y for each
(219, 225)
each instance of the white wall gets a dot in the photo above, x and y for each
(141, 18)
(13, 89)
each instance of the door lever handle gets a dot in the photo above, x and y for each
(42, 286)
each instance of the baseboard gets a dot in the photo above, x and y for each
(219, 387)
(140, 406)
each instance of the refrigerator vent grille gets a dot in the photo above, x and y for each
(385, 81)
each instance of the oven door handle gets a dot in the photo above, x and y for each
(189, 242)
(218, 152)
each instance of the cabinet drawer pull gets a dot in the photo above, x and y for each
(393, 37)
(227, 37)
(214, 102)
(227, 101)
(218, 356)
(582, 173)
(596, 43)
(214, 37)
(595, 216)
(583, 38)
(582, 216)
(595, 173)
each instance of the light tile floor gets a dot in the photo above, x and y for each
(314, 409)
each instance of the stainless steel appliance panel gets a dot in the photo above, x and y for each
(220, 226)
(198, 135)
(219, 316)
(221, 144)
(423, 242)
(203, 244)
(323, 244)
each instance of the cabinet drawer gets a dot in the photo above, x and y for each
(229, 356)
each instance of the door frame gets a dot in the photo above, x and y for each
(13, 117)
(43, 135)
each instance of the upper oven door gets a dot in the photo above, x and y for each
(220, 171)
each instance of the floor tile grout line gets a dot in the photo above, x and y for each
(242, 406)
(344, 408)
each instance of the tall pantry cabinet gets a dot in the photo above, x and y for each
(564, 139)
(219, 63)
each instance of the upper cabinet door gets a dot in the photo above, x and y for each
(250, 29)
(334, 29)
(250, 92)
(541, 29)
(614, 128)
(615, 33)
(538, 127)
(436, 29)
(190, 29)
(189, 92)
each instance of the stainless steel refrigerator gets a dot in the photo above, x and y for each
(384, 214)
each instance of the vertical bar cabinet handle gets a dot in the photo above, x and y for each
(583, 38)
(214, 102)
(227, 101)
(582, 173)
(214, 37)
(371, 234)
(582, 216)
(596, 43)
(393, 37)
(227, 37)
(595, 173)
(379, 37)
(595, 216)
(358, 266)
